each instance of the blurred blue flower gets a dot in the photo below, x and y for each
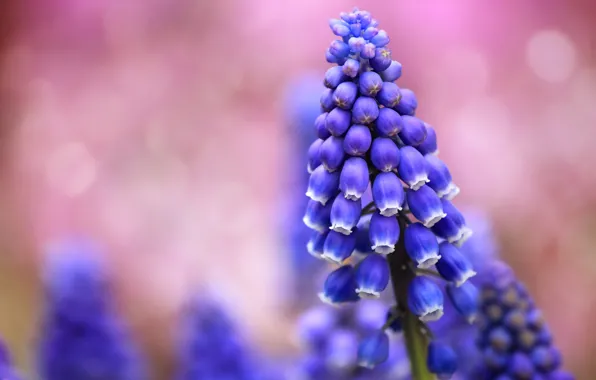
(211, 348)
(81, 337)
(514, 339)
(7, 371)
(454, 327)
(339, 343)
(301, 103)
(510, 339)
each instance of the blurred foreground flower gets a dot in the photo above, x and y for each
(369, 138)
(7, 372)
(453, 328)
(302, 101)
(510, 339)
(331, 337)
(81, 337)
(514, 339)
(211, 348)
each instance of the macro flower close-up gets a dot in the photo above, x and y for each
(299, 190)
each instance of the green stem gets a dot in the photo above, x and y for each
(416, 344)
(401, 276)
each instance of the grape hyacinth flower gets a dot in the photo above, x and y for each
(7, 372)
(347, 344)
(211, 348)
(458, 327)
(498, 344)
(372, 140)
(514, 340)
(81, 337)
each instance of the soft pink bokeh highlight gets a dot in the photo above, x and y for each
(156, 128)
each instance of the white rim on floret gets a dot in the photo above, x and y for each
(418, 182)
(432, 314)
(312, 225)
(368, 293)
(433, 219)
(322, 199)
(390, 209)
(428, 260)
(465, 276)
(383, 248)
(310, 247)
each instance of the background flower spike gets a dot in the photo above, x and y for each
(81, 337)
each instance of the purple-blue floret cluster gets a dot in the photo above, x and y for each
(81, 337)
(376, 181)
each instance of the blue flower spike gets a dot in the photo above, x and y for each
(512, 343)
(82, 337)
(373, 144)
(211, 347)
(350, 343)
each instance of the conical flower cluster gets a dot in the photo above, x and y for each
(371, 142)
(211, 348)
(81, 337)
(514, 340)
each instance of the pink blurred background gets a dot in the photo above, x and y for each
(157, 127)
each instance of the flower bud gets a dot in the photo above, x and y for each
(425, 205)
(425, 299)
(332, 153)
(370, 83)
(388, 194)
(317, 216)
(345, 95)
(381, 60)
(440, 178)
(340, 286)
(384, 154)
(322, 185)
(441, 360)
(413, 131)
(389, 123)
(383, 233)
(358, 140)
(392, 73)
(465, 300)
(314, 155)
(345, 214)
(354, 178)
(338, 121)
(413, 168)
(373, 350)
(334, 76)
(421, 245)
(338, 247)
(372, 276)
(453, 265)
(408, 103)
